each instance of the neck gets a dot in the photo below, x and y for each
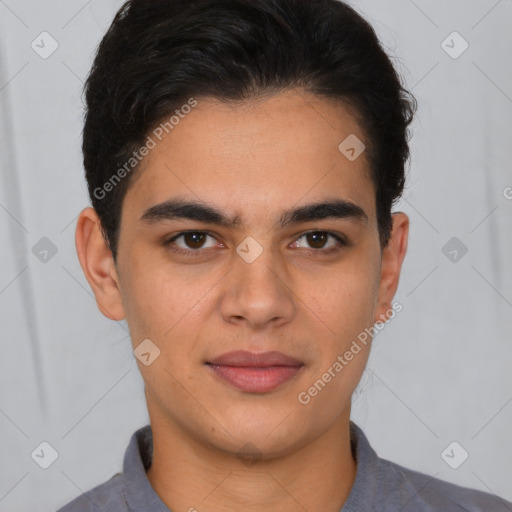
(189, 476)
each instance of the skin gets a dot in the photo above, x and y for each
(254, 160)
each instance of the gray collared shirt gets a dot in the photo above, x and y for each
(380, 485)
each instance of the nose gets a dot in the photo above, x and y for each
(257, 291)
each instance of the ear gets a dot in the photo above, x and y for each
(98, 264)
(391, 263)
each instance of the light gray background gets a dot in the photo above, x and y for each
(440, 370)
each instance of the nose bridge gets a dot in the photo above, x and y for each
(257, 285)
(260, 273)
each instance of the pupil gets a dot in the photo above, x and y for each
(194, 240)
(315, 239)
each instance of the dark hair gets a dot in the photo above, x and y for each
(158, 54)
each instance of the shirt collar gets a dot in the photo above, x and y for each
(138, 492)
(141, 497)
(368, 481)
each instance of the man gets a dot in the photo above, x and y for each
(243, 158)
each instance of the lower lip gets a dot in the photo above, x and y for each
(255, 379)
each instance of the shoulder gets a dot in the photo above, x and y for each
(130, 486)
(107, 496)
(420, 492)
(385, 486)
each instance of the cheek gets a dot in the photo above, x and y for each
(163, 306)
(149, 298)
(344, 313)
(344, 300)
(162, 310)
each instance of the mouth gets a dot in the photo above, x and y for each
(255, 372)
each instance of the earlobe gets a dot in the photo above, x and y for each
(98, 264)
(392, 258)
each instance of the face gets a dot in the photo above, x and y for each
(280, 254)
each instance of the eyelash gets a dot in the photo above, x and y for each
(198, 252)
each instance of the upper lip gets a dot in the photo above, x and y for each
(253, 359)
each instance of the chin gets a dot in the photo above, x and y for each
(271, 437)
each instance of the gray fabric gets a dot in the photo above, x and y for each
(380, 485)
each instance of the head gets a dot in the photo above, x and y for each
(276, 133)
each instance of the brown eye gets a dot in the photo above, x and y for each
(194, 240)
(191, 242)
(319, 240)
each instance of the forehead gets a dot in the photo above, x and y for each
(256, 157)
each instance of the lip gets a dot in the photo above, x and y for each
(255, 372)
(259, 359)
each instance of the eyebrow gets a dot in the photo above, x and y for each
(178, 208)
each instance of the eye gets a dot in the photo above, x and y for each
(318, 240)
(191, 242)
